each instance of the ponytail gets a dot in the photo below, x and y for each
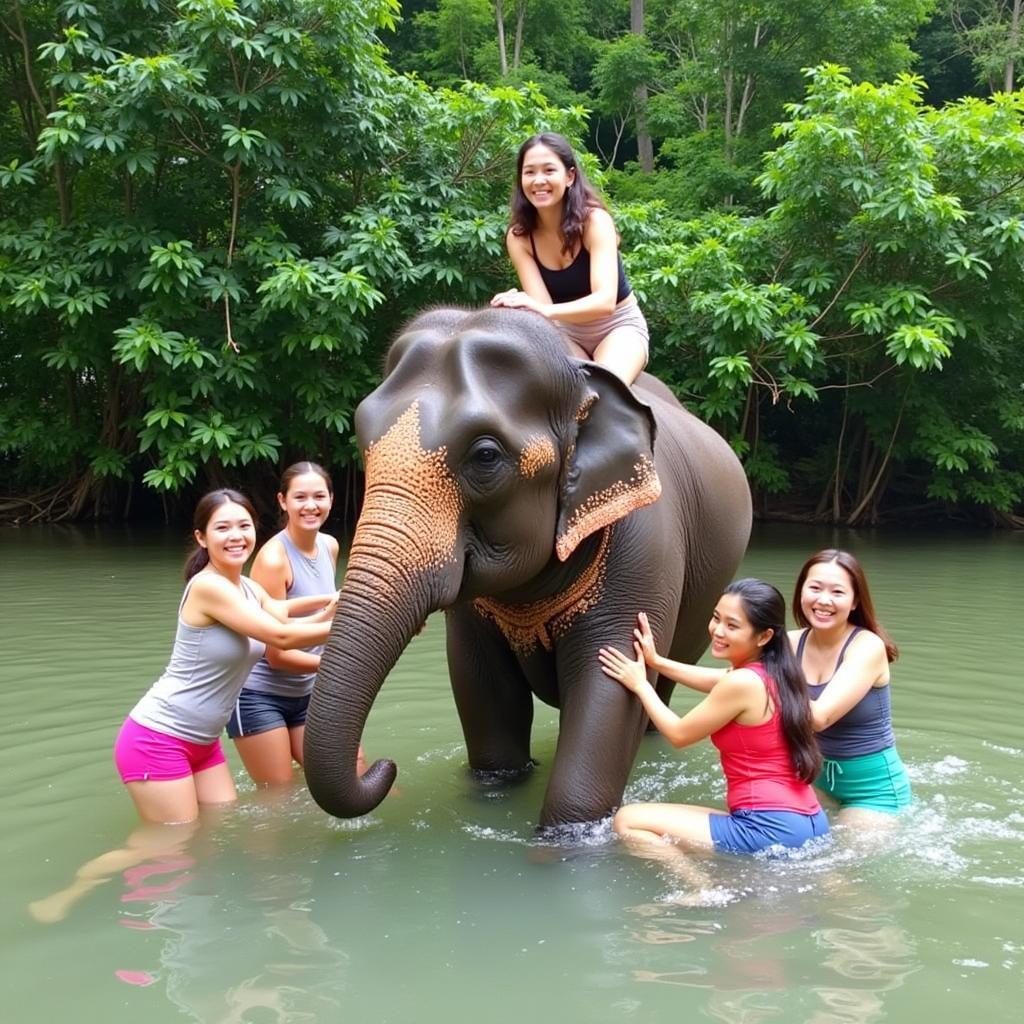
(765, 608)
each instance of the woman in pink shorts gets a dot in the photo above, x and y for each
(168, 751)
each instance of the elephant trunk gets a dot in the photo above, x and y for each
(384, 602)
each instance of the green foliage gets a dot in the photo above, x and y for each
(992, 34)
(890, 259)
(227, 211)
(719, 73)
(216, 213)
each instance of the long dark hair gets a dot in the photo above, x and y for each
(765, 608)
(577, 202)
(298, 469)
(205, 507)
(863, 612)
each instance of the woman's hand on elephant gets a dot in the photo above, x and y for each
(326, 613)
(632, 674)
(645, 638)
(514, 298)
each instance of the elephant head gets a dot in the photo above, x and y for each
(490, 455)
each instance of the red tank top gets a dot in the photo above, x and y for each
(758, 770)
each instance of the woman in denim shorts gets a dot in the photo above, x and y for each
(756, 713)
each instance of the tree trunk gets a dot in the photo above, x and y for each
(644, 144)
(517, 46)
(869, 501)
(1015, 17)
(499, 13)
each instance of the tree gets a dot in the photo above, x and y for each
(729, 68)
(249, 203)
(621, 74)
(990, 31)
(644, 145)
(881, 288)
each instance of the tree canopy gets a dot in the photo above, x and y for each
(214, 214)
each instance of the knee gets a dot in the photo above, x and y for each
(625, 820)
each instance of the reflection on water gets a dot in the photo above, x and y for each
(285, 968)
(750, 961)
(444, 904)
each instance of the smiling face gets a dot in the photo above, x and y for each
(827, 596)
(733, 638)
(307, 502)
(229, 537)
(544, 177)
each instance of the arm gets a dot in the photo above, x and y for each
(864, 664)
(272, 571)
(601, 242)
(530, 281)
(696, 677)
(724, 703)
(212, 598)
(318, 608)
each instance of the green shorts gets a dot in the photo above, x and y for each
(874, 782)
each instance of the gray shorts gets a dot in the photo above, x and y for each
(588, 336)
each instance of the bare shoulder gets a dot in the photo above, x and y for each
(208, 583)
(272, 553)
(271, 566)
(599, 223)
(867, 644)
(516, 242)
(333, 548)
(742, 682)
(867, 650)
(207, 589)
(257, 588)
(793, 636)
(272, 558)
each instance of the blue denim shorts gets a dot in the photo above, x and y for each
(257, 712)
(753, 831)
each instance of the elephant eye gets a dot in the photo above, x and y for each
(485, 453)
(484, 464)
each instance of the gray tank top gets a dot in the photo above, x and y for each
(310, 576)
(194, 697)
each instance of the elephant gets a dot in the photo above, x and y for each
(541, 502)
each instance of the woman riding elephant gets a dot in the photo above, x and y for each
(539, 501)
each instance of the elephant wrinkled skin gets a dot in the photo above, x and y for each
(541, 503)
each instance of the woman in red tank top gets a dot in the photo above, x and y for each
(757, 714)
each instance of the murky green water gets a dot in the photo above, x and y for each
(440, 906)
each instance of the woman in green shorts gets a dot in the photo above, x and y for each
(845, 654)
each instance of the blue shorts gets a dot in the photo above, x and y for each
(753, 831)
(257, 712)
(873, 782)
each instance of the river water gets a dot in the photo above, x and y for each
(441, 905)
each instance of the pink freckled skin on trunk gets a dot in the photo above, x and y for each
(413, 489)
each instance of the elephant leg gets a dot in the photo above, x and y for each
(601, 725)
(492, 697)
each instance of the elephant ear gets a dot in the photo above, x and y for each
(608, 470)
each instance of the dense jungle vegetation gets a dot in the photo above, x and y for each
(215, 213)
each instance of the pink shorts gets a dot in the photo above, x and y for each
(145, 755)
(626, 316)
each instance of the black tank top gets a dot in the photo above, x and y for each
(866, 728)
(574, 282)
